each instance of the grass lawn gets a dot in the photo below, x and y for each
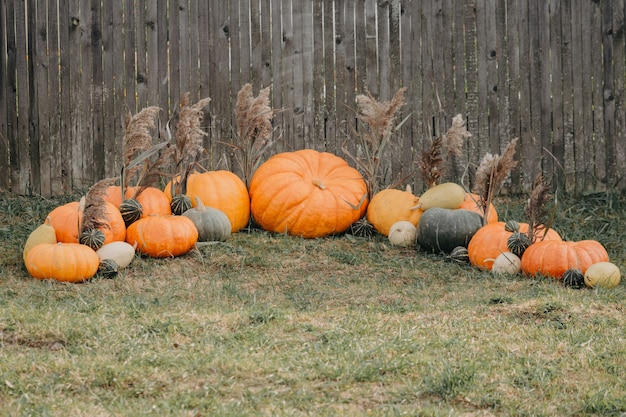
(275, 325)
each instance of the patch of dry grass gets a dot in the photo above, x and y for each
(268, 324)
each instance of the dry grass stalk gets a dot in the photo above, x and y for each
(94, 210)
(188, 141)
(538, 217)
(378, 118)
(136, 144)
(491, 174)
(431, 163)
(254, 132)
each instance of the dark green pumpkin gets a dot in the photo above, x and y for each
(108, 268)
(459, 255)
(442, 230)
(574, 278)
(180, 204)
(518, 242)
(131, 211)
(93, 238)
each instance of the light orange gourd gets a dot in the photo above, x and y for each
(390, 206)
(307, 193)
(492, 239)
(471, 203)
(162, 236)
(552, 258)
(222, 190)
(66, 220)
(70, 262)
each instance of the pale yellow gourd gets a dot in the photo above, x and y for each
(42, 234)
(448, 195)
(602, 274)
(122, 253)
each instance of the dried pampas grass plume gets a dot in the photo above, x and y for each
(137, 142)
(379, 115)
(254, 131)
(189, 134)
(253, 115)
(94, 210)
(536, 210)
(378, 118)
(431, 162)
(188, 141)
(491, 175)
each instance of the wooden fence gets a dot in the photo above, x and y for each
(549, 72)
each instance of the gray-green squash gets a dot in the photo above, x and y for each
(440, 230)
(213, 224)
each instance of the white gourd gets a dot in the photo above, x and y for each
(402, 233)
(122, 253)
(507, 263)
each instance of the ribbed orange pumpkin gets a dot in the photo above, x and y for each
(113, 195)
(153, 201)
(471, 203)
(222, 190)
(390, 206)
(491, 240)
(65, 221)
(552, 258)
(307, 193)
(70, 262)
(162, 236)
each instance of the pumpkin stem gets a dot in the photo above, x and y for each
(318, 183)
(199, 204)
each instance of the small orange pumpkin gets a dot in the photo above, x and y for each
(162, 236)
(70, 262)
(66, 221)
(153, 201)
(307, 193)
(492, 239)
(471, 203)
(552, 258)
(390, 206)
(222, 190)
(113, 195)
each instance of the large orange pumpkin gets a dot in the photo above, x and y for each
(70, 262)
(552, 258)
(65, 220)
(307, 193)
(492, 239)
(222, 190)
(390, 206)
(162, 236)
(471, 203)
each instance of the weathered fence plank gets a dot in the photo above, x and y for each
(615, 178)
(5, 165)
(70, 71)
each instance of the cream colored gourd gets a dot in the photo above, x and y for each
(602, 274)
(448, 195)
(507, 263)
(44, 233)
(402, 233)
(122, 253)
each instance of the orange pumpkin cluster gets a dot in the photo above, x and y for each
(305, 193)
(547, 254)
(53, 250)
